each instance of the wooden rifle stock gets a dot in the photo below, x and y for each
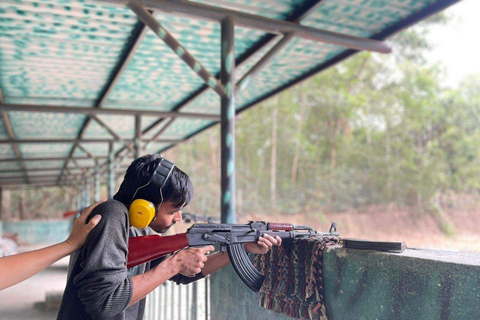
(147, 248)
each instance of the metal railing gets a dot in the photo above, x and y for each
(183, 302)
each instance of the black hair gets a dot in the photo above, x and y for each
(178, 189)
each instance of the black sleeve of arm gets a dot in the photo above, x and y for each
(104, 286)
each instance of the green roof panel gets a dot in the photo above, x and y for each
(73, 53)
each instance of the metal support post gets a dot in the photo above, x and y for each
(78, 195)
(188, 303)
(82, 197)
(165, 299)
(172, 294)
(194, 306)
(138, 136)
(87, 192)
(207, 297)
(96, 189)
(180, 302)
(111, 174)
(228, 122)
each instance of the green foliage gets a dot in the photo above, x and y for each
(375, 129)
(372, 130)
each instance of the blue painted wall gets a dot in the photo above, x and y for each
(39, 232)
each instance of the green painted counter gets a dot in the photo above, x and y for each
(417, 284)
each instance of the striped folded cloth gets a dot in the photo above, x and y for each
(293, 282)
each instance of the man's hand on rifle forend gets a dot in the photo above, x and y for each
(190, 261)
(263, 245)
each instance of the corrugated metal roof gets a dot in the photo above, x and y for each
(65, 53)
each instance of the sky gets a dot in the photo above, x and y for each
(457, 44)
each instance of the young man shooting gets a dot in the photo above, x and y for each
(99, 285)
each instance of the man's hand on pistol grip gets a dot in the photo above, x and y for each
(190, 261)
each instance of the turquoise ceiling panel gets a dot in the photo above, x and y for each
(181, 127)
(30, 125)
(81, 163)
(66, 52)
(79, 153)
(146, 123)
(45, 149)
(124, 126)
(156, 147)
(148, 120)
(6, 151)
(52, 50)
(3, 131)
(6, 166)
(96, 131)
(96, 149)
(157, 78)
(209, 102)
(45, 164)
(121, 125)
(4, 174)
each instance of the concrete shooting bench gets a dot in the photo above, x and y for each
(359, 284)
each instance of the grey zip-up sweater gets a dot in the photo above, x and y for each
(99, 285)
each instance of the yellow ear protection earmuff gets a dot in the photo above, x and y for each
(141, 212)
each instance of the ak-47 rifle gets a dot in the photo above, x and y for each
(230, 237)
